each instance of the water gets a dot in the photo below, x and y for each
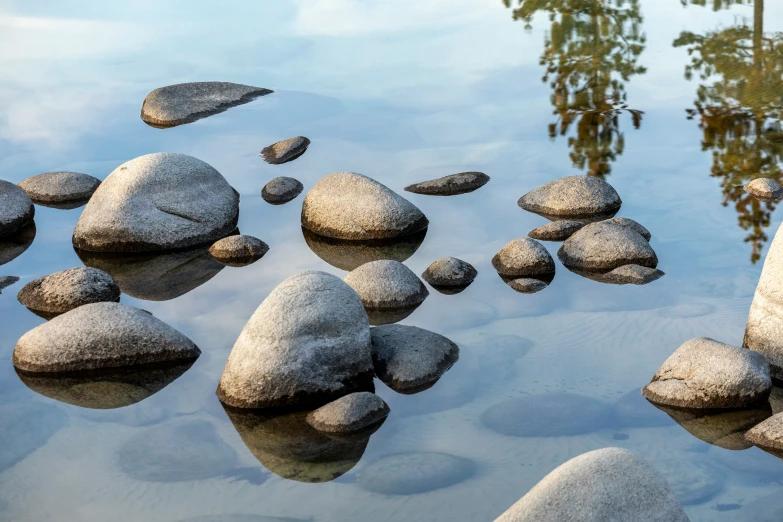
(401, 92)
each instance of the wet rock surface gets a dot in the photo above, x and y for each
(450, 271)
(6, 281)
(764, 189)
(452, 185)
(523, 257)
(556, 230)
(387, 285)
(60, 187)
(16, 208)
(353, 412)
(768, 435)
(632, 275)
(14, 245)
(572, 197)
(285, 151)
(238, 250)
(281, 190)
(63, 291)
(605, 246)
(412, 473)
(348, 255)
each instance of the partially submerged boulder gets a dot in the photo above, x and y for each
(605, 246)
(387, 285)
(353, 412)
(16, 208)
(450, 271)
(632, 275)
(523, 257)
(768, 435)
(765, 189)
(60, 187)
(63, 291)
(286, 150)
(556, 230)
(281, 190)
(452, 185)
(238, 250)
(573, 197)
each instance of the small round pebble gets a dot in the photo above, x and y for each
(523, 257)
(60, 187)
(238, 250)
(281, 190)
(449, 271)
(764, 188)
(412, 473)
(286, 150)
(354, 412)
(526, 285)
(556, 230)
(63, 291)
(387, 285)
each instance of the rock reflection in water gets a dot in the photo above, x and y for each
(13, 245)
(348, 255)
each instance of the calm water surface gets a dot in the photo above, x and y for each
(677, 106)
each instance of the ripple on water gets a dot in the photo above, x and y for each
(686, 310)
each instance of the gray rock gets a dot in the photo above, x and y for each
(703, 373)
(187, 102)
(633, 225)
(412, 473)
(346, 205)
(632, 410)
(523, 257)
(768, 435)
(6, 281)
(26, 426)
(63, 291)
(281, 190)
(452, 185)
(308, 343)
(526, 285)
(605, 246)
(286, 150)
(556, 230)
(598, 486)
(238, 250)
(354, 412)
(765, 189)
(632, 275)
(410, 359)
(158, 202)
(574, 197)
(60, 187)
(16, 209)
(14, 245)
(387, 285)
(547, 415)
(348, 255)
(176, 452)
(450, 271)
(101, 335)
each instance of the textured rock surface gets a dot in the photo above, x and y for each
(281, 190)
(187, 102)
(353, 412)
(157, 202)
(387, 285)
(308, 343)
(412, 473)
(16, 209)
(346, 205)
(410, 359)
(764, 188)
(450, 271)
(523, 257)
(606, 246)
(6, 281)
(14, 245)
(347, 255)
(572, 197)
(63, 291)
(599, 486)
(452, 185)
(556, 230)
(525, 285)
(101, 335)
(286, 150)
(632, 275)
(60, 187)
(633, 225)
(238, 250)
(704, 373)
(768, 435)
(26, 426)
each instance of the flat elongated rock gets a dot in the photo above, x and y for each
(101, 335)
(354, 412)
(605, 246)
(452, 185)
(450, 271)
(598, 486)
(63, 291)
(704, 373)
(633, 225)
(238, 250)
(16, 208)
(572, 197)
(632, 275)
(764, 189)
(523, 257)
(346, 205)
(412, 473)
(387, 285)
(308, 343)
(6, 281)
(160, 201)
(187, 102)
(286, 150)
(556, 230)
(348, 254)
(768, 435)
(60, 187)
(281, 190)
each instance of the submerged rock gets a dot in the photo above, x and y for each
(526, 285)
(704, 373)
(16, 209)
(101, 335)
(285, 151)
(346, 205)
(768, 435)
(633, 225)
(765, 189)
(605, 246)
(573, 197)
(187, 102)
(387, 285)
(306, 344)
(354, 412)
(348, 255)
(452, 185)
(693, 481)
(556, 230)
(63, 291)
(412, 473)
(598, 486)
(238, 250)
(60, 187)
(281, 190)
(157, 202)
(26, 426)
(450, 271)
(523, 257)
(768, 508)
(6, 281)
(14, 245)
(632, 275)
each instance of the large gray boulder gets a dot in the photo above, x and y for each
(157, 202)
(768, 435)
(703, 373)
(16, 208)
(286, 150)
(187, 102)
(413, 473)
(573, 197)
(523, 257)
(354, 412)
(63, 291)
(452, 185)
(605, 246)
(101, 335)
(60, 187)
(346, 205)
(308, 343)
(387, 285)
(610, 484)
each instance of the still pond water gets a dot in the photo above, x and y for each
(677, 105)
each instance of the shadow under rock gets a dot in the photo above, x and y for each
(348, 255)
(13, 245)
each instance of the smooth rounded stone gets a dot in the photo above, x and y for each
(60, 187)
(306, 344)
(410, 359)
(240, 517)
(16, 208)
(450, 271)
(63, 291)
(6, 281)
(703, 373)
(285, 151)
(238, 250)
(556, 230)
(598, 486)
(176, 452)
(632, 410)
(572, 197)
(346, 205)
(14, 245)
(547, 415)
(452, 185)
(633, 225)
(26, 426)
(632, 275)
(187, 102)
(768, 435)
(525, 285)
(281, 190)
(387, 285)
(693, 481)
(156, 277)
(158, 202)
(764, 189)
(605, 246)
(350, 413)
(348, 255)
(768, 508)
(101, 335)
(523, 257)
(412, 473)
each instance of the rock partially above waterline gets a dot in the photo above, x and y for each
(238, 250)
(722, 428)
(6, 281)
(187, 102)
(387, 285)
(768, 435)
(281, 190)
(605, 246)
(526, 285)
(523, 257)
(354, 412)
(632, 275)
(765, 189)
(633, 225)
(450, 271)
(286, 150)
(556, 230)
(60, 187)
(572, 197)
(452, 185)
(16, 208)
(62, 291)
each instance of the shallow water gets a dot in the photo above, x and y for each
(402, 92)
